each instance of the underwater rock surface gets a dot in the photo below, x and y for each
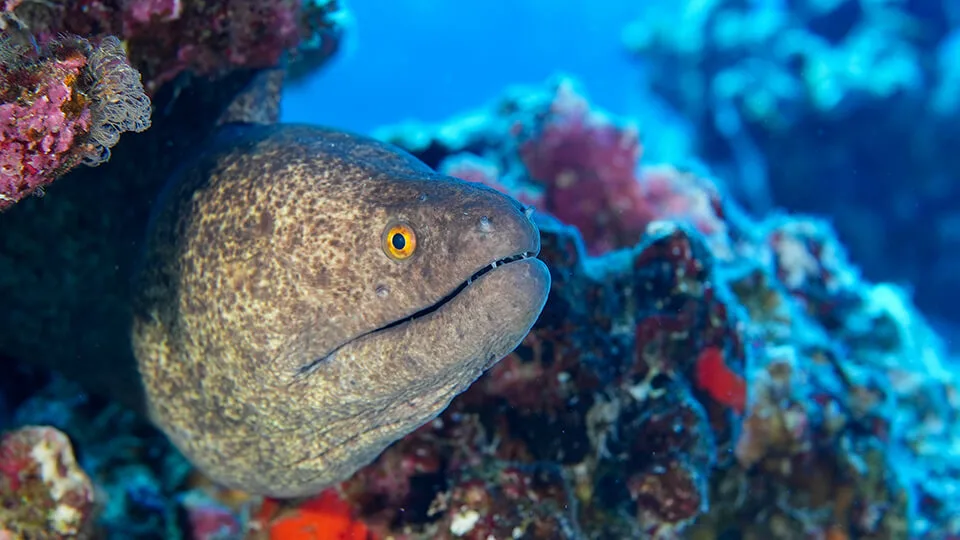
(60, 106)
(207, 38)
(70, 72)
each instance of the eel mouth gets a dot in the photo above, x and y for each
(427, 310)
(446, 299)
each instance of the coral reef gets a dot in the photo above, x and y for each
(67, 294)
(715, 376)
(65, 105)
(203, 37)
(696, 373)
(64, 101)
(43, 492)
(719, 375)
(852, 98)
(553, 151)
(137, 474)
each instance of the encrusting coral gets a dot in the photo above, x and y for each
(43, 492)
(69, 86)
(61, 106)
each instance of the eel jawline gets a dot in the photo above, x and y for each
(423, 312)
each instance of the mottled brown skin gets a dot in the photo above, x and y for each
(264, 285)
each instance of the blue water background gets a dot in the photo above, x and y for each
(430, 59)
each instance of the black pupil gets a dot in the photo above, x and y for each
(398, 241)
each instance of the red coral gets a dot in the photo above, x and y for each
(323, 517)
(722, 383)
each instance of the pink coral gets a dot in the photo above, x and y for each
(589, 167)
(584, 168)
(37, 134)
(553, 150)
(65, 107)
(208, 38)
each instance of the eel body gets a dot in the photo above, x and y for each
(309, 296)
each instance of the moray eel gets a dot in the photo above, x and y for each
(308, 296)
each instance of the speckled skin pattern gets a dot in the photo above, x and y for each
(264, 292)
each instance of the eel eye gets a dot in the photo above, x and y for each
(399, 241)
